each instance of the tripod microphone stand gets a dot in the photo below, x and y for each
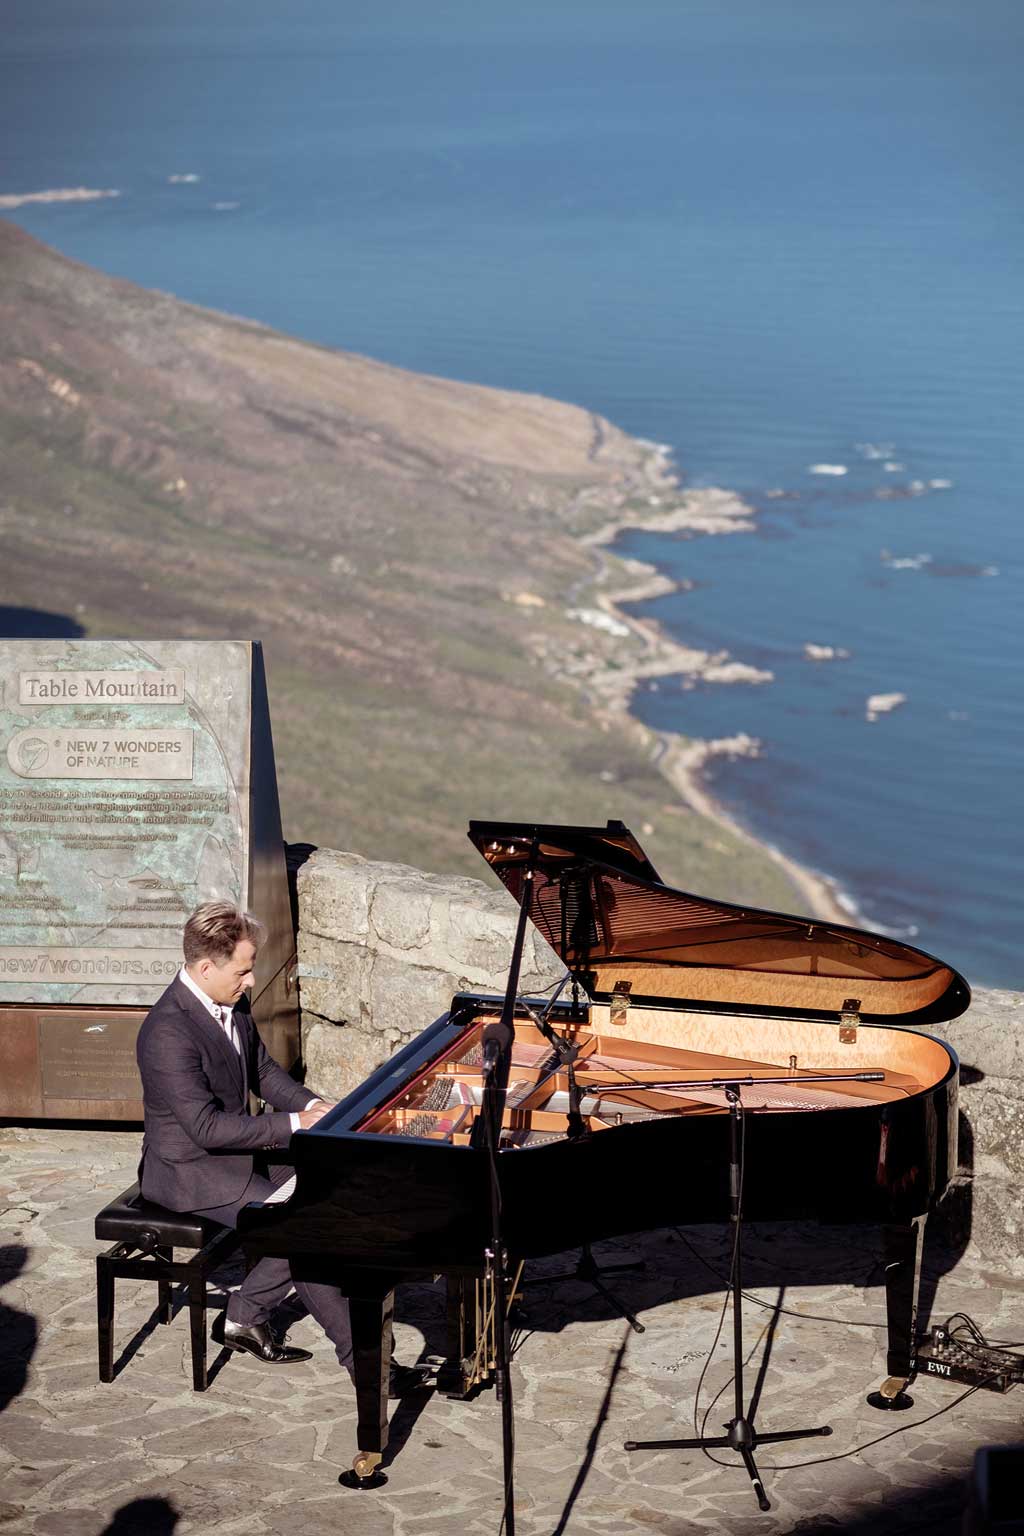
(740, 1433)
(575, 887)
(587, 1269)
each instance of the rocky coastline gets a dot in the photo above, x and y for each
(428, 563)
(665, 507)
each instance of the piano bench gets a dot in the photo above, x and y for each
(145, 1237)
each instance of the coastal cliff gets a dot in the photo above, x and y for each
(428, 563)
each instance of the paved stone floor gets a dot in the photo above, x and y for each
(261, 1451)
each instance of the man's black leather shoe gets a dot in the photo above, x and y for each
(404, 1380)
(258, 1341)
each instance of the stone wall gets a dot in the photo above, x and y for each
(986, 1206)
(383, 949)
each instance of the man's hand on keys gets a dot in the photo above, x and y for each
(309, 1117)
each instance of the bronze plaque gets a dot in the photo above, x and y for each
(85, 1055)
(137, 779)
(124, 802)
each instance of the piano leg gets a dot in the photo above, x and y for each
(903, 1247)
(370, 1316)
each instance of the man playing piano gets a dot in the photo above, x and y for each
(199, 1056)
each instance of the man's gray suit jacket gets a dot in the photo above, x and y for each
(200, 1139)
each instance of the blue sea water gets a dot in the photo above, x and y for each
(762, 231)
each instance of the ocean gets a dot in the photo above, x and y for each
(783, 238)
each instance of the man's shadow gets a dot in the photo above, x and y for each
(143, 1517)
(18, 1330)
(18, 623)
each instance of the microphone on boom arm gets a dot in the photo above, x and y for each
(496, 1038)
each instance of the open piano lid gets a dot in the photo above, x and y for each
(598, 902)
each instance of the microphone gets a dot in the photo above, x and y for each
(497, 1038)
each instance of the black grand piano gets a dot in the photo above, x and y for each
(667, 988)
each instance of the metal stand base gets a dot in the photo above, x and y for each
(740, 1436)
(589, 1271)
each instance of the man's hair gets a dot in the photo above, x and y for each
(216, 928)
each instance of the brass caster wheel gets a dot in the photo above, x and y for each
(365, 1472)
(892, 1396)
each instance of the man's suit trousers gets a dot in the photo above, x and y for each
(270, 1280)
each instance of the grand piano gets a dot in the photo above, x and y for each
(666, 988)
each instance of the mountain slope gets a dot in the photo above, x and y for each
(403, 546)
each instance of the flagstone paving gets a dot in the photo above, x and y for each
(261, 1450)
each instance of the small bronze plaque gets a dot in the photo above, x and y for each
(619, 1011)
(88, 1056)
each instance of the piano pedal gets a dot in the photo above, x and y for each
(365, 1472)
(453, 1378)
(892, 1396)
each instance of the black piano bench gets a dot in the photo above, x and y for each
(145, 1237)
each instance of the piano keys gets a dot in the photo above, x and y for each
(668, 989)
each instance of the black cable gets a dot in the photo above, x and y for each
(789, 1466)
(729, 1287)
(847, 1322)
(817, 1460)
(520, 1337)
(552, 986)
(699, 1432)
(728, 1383)
(978, 1340)
(966, 1320)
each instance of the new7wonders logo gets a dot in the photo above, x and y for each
(32, 753)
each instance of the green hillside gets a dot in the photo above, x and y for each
(404, 546)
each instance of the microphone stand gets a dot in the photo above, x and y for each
(740, 1433)
(492, 1108)
(587, 1270)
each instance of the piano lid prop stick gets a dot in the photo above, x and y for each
(497, 1037)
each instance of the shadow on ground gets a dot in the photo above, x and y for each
(37, 624)
(143, 1517)
(18, 1330)
(682, 1262)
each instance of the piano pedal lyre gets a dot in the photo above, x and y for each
(473, 1342)
(365, 1472)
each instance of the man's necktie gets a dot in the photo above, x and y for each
(223, 1016)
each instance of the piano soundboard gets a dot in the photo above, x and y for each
(619, 1081)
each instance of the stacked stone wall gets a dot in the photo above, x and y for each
(382, 951)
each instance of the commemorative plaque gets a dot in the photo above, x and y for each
(136, 780)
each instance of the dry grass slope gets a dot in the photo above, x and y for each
(169, 471)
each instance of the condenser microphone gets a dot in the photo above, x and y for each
(497, 1038)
